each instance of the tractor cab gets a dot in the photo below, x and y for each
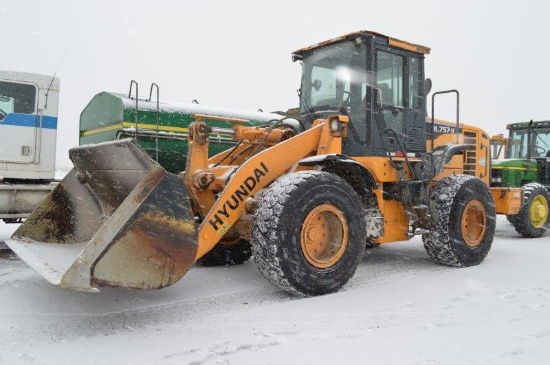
(528, 145)
(375, 80)
(529, 140)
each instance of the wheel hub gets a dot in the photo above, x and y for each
(538, 212)
(474, 223)
(324, 236)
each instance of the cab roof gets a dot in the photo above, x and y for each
(361, 33)
(40, 80)
(525, 125)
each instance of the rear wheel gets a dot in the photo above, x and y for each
(309, 233)
(464, 213)
(533, 219)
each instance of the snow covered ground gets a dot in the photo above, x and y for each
(399, 308)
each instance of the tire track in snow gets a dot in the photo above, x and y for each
(189, 302)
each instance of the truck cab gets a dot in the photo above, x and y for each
(28, 133)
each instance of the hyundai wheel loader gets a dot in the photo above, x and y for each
(304, 202)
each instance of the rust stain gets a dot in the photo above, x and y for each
(149, 183)
(158, 249)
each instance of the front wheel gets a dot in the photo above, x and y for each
(309, 232)
(464, 213)
(533, 218)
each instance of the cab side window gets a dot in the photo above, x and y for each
(21, 97)
(389, 78)
(415, 83)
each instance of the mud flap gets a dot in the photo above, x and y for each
(118, 219)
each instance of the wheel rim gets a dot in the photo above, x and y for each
(324, 236)
(538, 212)
(474, 223)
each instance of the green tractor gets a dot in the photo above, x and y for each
(525, 163)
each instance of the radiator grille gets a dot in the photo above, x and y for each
(414, 139)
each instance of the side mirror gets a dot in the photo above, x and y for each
(428, 85)
(317, 84)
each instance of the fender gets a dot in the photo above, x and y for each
(357, 175)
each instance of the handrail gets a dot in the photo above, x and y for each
(153, 85)
(457, 113)
(132, 83)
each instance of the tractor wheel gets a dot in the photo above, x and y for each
(533, 219)
(227, 255)
(308, 234)
(464, 213)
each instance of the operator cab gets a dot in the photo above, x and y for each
(529, 140)
(377, 81)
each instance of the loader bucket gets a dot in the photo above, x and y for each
(118, 219)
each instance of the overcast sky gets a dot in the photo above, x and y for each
(236, 54)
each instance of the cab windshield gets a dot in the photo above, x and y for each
(333, 78)
(519, 143)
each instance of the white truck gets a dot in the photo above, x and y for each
(28, 133)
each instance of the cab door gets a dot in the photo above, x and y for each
(19, 122)
(399, 82)
(389, 82)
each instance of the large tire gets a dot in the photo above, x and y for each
(227, 255)
(533, 219)
(464, 212)
(309, 232)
